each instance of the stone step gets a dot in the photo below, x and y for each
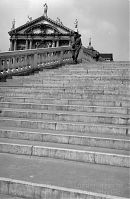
(102, 95)
(70, 78)
(100, 181)
(112, 72)
(67, 116)
(58, 91)
(62, 107)
(86, 83)
(64, 137)
(64, 81)
(87, 102)
(66, 126)
(75, 77)
(85, 67)
(107, 151)
(65, 84)
(4, 196)
(94, 155)
(77, 89)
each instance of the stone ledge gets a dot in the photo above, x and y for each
(40, 191)
(65, 126)
(67, 139)
(67, 154)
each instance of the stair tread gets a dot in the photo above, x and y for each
(3, 196)
(74, 113)
(124, 126)
(69, 133)
(66, 146)
(64, 105)
(89, 177)
(61, 101)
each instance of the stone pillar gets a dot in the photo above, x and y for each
(53, 43)
(30, 45)
(15, 44)
(69, 42)
(57, 43)
(26, 47)
(11, 45)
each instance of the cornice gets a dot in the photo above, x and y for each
(37, 20)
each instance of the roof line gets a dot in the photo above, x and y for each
(38, 19)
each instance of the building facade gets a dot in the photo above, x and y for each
(42, 32)
(107, 56)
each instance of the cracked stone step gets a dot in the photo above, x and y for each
(66, 116)
(48, 94)
(112, 142)
(78, 108)
(66, 126)
(94, 155)
(82, 90)
(62, 101)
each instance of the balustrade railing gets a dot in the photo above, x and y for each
(20, 62)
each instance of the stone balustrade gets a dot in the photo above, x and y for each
(25, 61)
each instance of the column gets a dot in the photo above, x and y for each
(69, 42)
(30, 45)
(53, 43)
(11, 45)
(26, 47)
(15, 44)
(57, 43)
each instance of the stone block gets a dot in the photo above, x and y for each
(50, 193)
(112, 159)
(55, 138)
(28, 136)
(15, 148)
(21, 190)
(4, 186)
(47, 125)
(40, 151)
(70, 127)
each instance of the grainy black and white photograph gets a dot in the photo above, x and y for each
(64, 99)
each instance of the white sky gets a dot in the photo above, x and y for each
(105, 21)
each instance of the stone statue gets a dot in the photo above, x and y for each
(59, 21)
(13, 25)
(45, 9)
(30, 18)
(76, 24)
(90, 41)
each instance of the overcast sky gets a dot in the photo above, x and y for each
(105, 21)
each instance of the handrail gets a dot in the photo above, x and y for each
(22, 61)
(26, 61)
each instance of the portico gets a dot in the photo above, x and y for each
(42, 32)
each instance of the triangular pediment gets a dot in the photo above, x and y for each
(42, 25)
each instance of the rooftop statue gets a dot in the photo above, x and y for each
(59, 21)
(90, 44)
(76, 25)
(45, 9)
(13, 25)
(30, 18)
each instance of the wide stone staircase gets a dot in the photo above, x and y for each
(64, 133)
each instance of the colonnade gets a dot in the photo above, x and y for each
(14, 43)
(30, 43)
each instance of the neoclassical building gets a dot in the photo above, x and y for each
(40, 33)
